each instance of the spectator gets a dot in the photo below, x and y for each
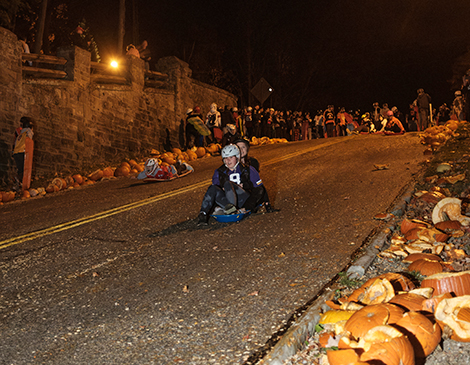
(458, 106)
(376, 114)
(132, 51)
(196, 130)
(443, 115)
(319, 124)
(329, 116)
(341, 124)
(230, 135)
(257, 115)
(226, 117)
(365, 125)
(19, 148)
(145, 54)
(305, 124)
(213, 123)
(393, 125)
(423, 102)
(248, 121)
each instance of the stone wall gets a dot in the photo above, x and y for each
(81, 124)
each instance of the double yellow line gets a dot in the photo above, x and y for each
(108, 213)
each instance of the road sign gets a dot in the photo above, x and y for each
(262, 90)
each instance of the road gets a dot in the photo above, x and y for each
(119, 273)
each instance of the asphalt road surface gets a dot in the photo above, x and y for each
(119, 273)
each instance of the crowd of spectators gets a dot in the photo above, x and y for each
(228, 124)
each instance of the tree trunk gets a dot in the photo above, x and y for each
(122, 19)
(40, 33)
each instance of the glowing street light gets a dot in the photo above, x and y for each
(114, 64)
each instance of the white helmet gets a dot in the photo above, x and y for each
(458, 93)
(151, 165)
(189, 111)
(230, 150)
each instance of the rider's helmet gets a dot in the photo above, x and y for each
(189, 111)
(197, 110)
(151, 165)
(458, 93)
(390, 113)
(230, 150)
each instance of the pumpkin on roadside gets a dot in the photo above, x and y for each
(423, 334)
(96, 175)
(449, 282)
(108, 172)
(200, 152)
(426, 267)
(122, 170)
(78, 178)
(388, 346)
(8, 196)
(371, 316)
(408, 301)
(455, 313)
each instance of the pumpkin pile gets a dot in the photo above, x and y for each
(266, 140)
(400, 318)
(126, 168)
(436, 136)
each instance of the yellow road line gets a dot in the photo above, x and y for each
(124, 208)
(94, 217)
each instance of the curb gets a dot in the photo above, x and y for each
(297, 334)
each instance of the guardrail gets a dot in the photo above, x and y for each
(44, 66)
(39, 66)
(105, 74)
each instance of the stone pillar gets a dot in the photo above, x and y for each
(78, 64)
(135, 68)
(179, 75)
(11, 88)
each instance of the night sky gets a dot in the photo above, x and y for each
(314, 53)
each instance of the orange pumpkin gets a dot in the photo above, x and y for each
(426, 267)
(200, 152)
(418, 256)
(8, 196)
(342, 357)
(96, 175)
(423, 334)
(398, 281)
(388, 346)
(430, 305)
(78, 178)
(122, 171)
(449, 282)
(26, 194)
(455, 313)
(409, 224)
(408, 301)
(108, 172)
(61, 183)
(371, 316)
